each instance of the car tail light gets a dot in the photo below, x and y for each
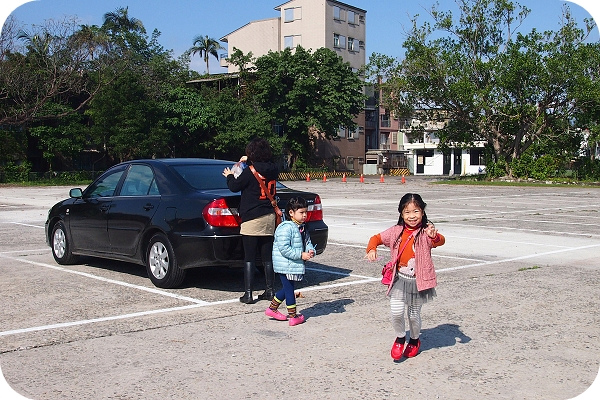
(315, 210)
(218, 213)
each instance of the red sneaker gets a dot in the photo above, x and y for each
(397, 350)
(412, 350)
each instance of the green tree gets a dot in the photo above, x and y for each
(127, 119)
(51, 67)
(213, 122)
(490, 82)
(306, 92)
(206, 46)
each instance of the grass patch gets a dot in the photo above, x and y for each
(466, 181)
(528, 268)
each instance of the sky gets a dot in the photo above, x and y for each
(179, 21)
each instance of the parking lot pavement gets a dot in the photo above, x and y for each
(517, 313)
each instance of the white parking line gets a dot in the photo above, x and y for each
(562, 232)
(94, 320)
(146, 289)
(45, 249)
(23, 224)
(485, 263)
(200, 303)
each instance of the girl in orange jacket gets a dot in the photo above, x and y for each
(414, 282)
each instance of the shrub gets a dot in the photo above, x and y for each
(12, 172)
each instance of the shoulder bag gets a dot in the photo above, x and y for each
(389, 270)
(278, 212)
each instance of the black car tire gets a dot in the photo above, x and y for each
(161, 264)
(61, 247)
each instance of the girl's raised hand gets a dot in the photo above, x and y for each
(431, 231)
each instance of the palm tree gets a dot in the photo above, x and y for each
(119, 21)
(206, 46)
(90, 39)
(36, 43)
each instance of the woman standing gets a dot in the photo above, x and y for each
(257, 214)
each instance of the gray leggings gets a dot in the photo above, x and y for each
(397, 304)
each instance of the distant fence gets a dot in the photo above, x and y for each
(297, 176)
(78, 176)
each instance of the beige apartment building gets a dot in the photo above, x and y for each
(313, 24)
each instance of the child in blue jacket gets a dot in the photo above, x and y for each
(292, 247)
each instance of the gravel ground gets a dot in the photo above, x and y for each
(517, 314)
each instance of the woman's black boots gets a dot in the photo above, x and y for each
(248, 278)
(269, 277)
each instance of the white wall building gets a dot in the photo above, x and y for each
(311, 24)
(424, 157)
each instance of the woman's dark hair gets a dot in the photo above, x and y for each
(258, 150)
(412, 198)
(295, 203)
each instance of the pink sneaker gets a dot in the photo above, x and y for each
(275, 314)
(297, 320)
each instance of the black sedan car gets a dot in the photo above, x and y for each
(167, 214)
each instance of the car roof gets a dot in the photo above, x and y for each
(186, 161)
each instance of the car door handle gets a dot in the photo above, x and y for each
(148, 207)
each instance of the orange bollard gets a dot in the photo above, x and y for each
(344, 178)
(307, 177)
(362, 178)
(324, 177)
(381, 179)
(403, 180)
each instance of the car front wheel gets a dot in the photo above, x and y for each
(61, 247)
(161, 264)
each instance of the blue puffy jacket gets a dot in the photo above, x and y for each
(287, 249)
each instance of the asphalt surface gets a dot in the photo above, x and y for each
(517, 314)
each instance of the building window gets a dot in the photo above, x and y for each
(351, 17)
(385, 121)
(288, 42)
(292, 14)
(350, 163)
(341, 132)
(394, 137)
(338, 13)
(355, 133)
(278, 129)
(292, 41)
(353, 44)
(339, 41)
(477, 157)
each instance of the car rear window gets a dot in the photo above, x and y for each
(203, 176)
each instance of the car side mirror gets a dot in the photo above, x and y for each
(76, 193)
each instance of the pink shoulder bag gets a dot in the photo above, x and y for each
(389, 270)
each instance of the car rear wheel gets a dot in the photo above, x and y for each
(61, 247)
(161, 264)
